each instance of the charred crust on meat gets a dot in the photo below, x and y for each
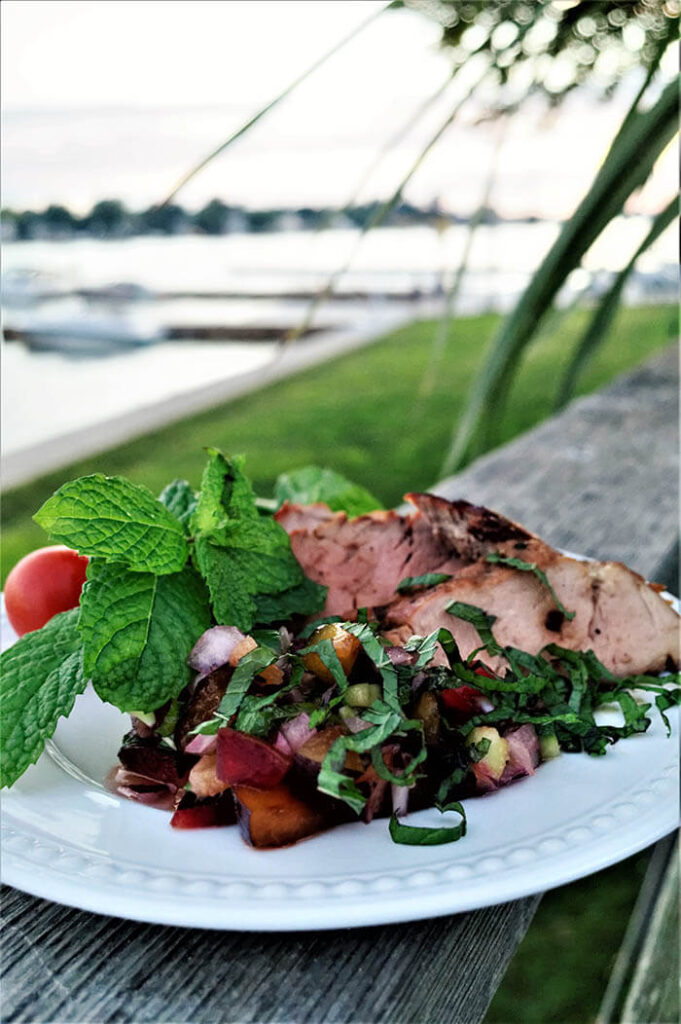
(554, 620)
(488, 526)
(670, 664)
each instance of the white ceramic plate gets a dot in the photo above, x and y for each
(68, 839)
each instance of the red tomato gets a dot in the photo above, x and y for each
(43, 583)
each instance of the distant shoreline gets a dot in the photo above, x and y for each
(111, 219)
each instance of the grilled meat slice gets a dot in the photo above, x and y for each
(630, 628)
(362, 560)
(470, 531)
(617, 614)
(303, 517)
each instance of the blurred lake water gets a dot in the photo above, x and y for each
(198, 289)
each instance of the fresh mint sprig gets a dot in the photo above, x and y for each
(42, 674)
(111, 518)
(245, 557)
(137, 630)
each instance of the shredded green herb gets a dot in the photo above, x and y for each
(429, 579)
(412, 835)
(518, 563)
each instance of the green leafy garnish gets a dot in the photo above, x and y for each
(313, 484)
(42, 674)
(412, 835)
(248, 668)
(304, 599)
(331, 780)
(517, 563)
(245, 557)
(481, 620)
(115, 519)
(180, 499)
(429, 579)
(137, 631)
(377, 653)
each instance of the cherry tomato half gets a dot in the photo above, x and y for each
(43, 583)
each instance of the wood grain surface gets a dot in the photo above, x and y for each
(601, 479)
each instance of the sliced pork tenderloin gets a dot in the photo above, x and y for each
(617, 614)
(362, 560)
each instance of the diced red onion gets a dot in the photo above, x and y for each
(137, 787)
(201, 745)
(213, 649)
(399, 656)
(356, 724)
(282, 744)
(285, 639)
(296, 732)
(400, 799)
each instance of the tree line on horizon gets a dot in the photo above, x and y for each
(110, 218)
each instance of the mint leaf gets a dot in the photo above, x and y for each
(138, 630)
(180, 499)
(304, 599)
(244, 557)
(495, 557)
(316, 484)
(42, 674)
(114, 519)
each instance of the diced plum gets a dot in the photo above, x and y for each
(275, 817)
(210, 813)
(203, 778)
(150, 758)
(244, 760)
(346, 646)
(464, 701)
(241, 649)
(317, 747)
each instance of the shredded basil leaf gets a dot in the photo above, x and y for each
(429, 579)
(480, 619)
(248, 668)
(517, 563)
(412, 835)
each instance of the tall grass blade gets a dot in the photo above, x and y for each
(377, 218)
(440, 338)
(602, 319)
(627, 166)
(272, 104)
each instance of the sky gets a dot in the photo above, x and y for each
(118, 99)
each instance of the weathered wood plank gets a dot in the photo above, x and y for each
(599, 479)
(63, 964)
(654, 991)
(641, 934)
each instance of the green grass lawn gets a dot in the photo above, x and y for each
(360, 414)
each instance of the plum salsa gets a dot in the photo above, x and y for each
(288, 666)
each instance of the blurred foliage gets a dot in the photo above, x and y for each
(552, 46)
